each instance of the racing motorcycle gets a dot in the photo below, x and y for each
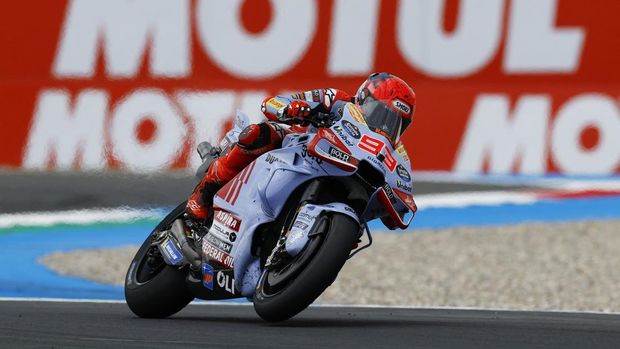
(282, 229)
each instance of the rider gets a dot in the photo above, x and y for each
(387, 101)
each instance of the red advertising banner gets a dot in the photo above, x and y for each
(503, 86)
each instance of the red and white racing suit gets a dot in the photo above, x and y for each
(256, 139)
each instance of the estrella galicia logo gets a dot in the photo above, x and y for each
(351, 129)
(207, 276)
(403, 173)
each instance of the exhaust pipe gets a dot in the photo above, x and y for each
(178, 231)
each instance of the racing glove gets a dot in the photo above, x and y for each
(297, 109)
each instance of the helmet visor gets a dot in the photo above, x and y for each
(382, 118)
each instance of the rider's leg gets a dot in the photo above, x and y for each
(255, 140)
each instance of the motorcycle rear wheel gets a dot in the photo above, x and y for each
(318, 273)
(152, 288)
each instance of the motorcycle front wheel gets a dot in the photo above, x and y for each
(312, 271)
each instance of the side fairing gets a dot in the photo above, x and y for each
(254, 197)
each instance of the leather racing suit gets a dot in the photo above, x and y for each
(256, 139)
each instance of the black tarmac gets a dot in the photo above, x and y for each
(104, 325)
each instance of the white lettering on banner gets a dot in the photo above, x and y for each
(493, 134)
(71, 137)
(259, 56)
(505, 140)
(587, 110)
(207, 111)
(123, 29)
(351, 45)
(77, 137)
(534, 45)
(165, 145)
(426, 46)
(249, 102)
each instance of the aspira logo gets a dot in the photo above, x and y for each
(88, 129)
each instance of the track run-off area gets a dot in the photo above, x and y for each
(26, 237)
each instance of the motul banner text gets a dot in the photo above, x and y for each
(503, 86)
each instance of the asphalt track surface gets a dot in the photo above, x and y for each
(106, 325)
(51, 191)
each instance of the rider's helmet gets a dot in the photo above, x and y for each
(388, 104)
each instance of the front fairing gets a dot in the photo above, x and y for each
(257, 195)
(356, 139)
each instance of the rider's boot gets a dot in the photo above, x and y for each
(221, 171)
(255, 140)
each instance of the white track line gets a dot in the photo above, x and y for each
(551, 182)
(465, 199)
(85, 216)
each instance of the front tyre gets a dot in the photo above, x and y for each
(325, 261)
(154, 289)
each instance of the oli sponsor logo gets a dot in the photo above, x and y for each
(226, 282)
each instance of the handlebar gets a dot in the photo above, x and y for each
(316, 120)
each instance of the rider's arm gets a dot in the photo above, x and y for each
(302, 104)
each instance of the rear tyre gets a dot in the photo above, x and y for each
(324, 256)
(154, 289)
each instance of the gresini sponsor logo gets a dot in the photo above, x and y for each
(222, 245)
(403, 173)
(217, 255)
(351, 129)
